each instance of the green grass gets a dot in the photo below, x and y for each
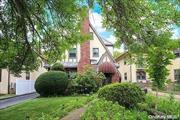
(41, 108)
(2, 96)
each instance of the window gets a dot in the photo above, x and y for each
(91, 35)
(0, 74)
(141, 75)
(125, 76)
(72, 53)
(27, 75)
(177, 75)
(177, 52)
(95, 52)
(124, 62)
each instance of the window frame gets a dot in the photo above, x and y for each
(94, 54)
(70, 53)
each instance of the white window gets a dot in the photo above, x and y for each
(95, 52)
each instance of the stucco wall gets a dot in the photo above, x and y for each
(4, 78)
(175, 64)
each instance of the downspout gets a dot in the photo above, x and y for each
(8, 81)
(130, 70)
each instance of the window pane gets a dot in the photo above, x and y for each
(72, 53)
(95, 52)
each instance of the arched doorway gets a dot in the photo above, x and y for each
(109, 70)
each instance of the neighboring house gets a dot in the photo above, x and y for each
(136, 73)
(7, 79)
(96, 53)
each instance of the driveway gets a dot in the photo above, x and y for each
(16, 99)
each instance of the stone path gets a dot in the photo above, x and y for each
(76, 114)
(16, 99)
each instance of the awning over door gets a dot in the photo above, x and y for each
(107, 67)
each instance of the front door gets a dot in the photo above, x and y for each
(108, 78)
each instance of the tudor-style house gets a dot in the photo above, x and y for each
(95, 52)
(137, 73)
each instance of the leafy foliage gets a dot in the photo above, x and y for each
(57, 67)
(38, 29)
(51, 83)
(126, 94)
(106, 110)
(87, 82)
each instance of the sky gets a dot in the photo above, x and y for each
(96, 20)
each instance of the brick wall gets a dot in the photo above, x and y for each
(85, 48)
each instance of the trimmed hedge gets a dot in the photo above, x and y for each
(51, 83)
(126, 94)
(57, 67)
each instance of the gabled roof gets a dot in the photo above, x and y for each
(122, 56)
(101, 41)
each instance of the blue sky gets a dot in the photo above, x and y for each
(96, 20)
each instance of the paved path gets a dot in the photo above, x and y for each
(76, 114)
(16, 99)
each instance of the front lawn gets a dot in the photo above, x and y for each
(43, 108)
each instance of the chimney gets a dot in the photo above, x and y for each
(85, 47)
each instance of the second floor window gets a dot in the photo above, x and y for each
(177, 52)
(72, 53)
(95, 52)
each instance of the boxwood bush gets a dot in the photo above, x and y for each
(126, 94)
(57, 67)
(51, 83)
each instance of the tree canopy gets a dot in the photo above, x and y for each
(37, 29)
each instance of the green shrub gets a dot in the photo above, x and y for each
(51, 83)
(106, 110)
(126, 94)
(57, 67)
(87, 82)
(165, 105)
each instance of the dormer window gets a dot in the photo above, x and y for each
(72, 53)
(95, 52)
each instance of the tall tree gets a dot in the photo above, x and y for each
(145, 28)
(35, 29)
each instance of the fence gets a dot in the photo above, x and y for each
(25, 86)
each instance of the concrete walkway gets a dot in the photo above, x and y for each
(76, 114)
(16, 99)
